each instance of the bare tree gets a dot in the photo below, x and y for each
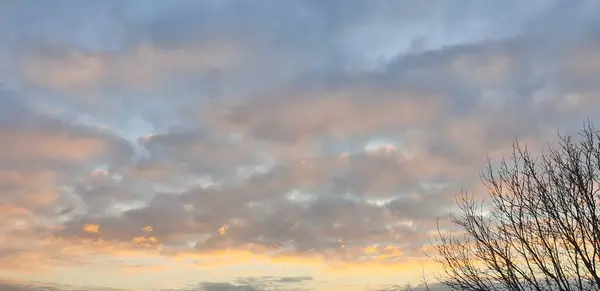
(541, 229)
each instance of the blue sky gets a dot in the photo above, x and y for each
(266, 145)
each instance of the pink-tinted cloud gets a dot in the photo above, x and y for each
(144, 66)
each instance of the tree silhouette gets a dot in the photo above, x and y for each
(541, 229)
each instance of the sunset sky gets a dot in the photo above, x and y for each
(266, 145)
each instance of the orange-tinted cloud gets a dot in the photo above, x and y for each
(304, 115)
(142, 67)
(91, 228)
(40, 145)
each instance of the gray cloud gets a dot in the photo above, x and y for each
(256, 284)
(41, 154)
(309, 206)
(21, 287)
(293, 279)
(200, 151)
(8, 285)
(266, 283)
(225, 287)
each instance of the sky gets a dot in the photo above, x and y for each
(267, 145)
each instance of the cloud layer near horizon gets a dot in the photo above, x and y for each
(306, 141)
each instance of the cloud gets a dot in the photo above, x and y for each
(329, 114)
(225, 287)
(31, 136)
(333, 196)
(323, 135)
(265, 282)
(199, 151)
(15, 285)
(91, 228)
(143, 67)
(255, 284)
(240, 217)
(293, 279)
(21, 287)
(43, 155)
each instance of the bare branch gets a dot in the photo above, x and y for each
(542, 231)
